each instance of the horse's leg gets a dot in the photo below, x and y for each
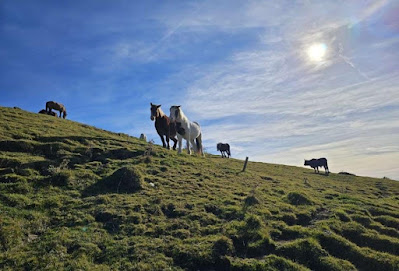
(194, 145)
(60, 113)
(180, 139)
(188, 142)
(188, 147)
(174, 142)
(167, 140)
(163, 140)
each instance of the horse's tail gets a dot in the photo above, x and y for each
(198, 140)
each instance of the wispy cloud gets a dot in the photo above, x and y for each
(275, 105)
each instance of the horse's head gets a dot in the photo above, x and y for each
(155, 111)
(64, 114)
(174, 112)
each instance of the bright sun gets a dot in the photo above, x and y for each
(317, 51)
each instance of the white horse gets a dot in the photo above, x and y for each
(186, 129)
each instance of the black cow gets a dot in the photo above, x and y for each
(224, 149)
(316, 163)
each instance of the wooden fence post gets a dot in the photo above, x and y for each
(245, 164)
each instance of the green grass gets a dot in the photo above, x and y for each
(73, 197)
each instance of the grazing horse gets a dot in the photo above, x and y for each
(186, 129)
(51, 113)
(56, 106)
(224, 148)
(316, 163)
(164, 126)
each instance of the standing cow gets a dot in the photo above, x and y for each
(316, 163)
(224, 149)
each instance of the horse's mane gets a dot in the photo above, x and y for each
(161, 113)
(182, 115)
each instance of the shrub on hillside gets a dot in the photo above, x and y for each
(362, 258)
(251, 238)
(270, 262)
(172, 211)
(21, 187)
(388, 221)
(289, 218)
(335, 264)
(123, 180)
(343, 216)
(223, 246)
(364, 220)
(253, 223)
(10, 234)
(251, 200)
(296, 198)
(62, 178)
(304, 251)
(127, 179)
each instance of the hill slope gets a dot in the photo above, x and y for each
(76, 197)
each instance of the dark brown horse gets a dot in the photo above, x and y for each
(164, 126)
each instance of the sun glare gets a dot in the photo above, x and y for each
(317, 51)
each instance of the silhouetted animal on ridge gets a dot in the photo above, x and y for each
(56, 106)
(143, 137)
(51, 113)
(316, 163)
(224, 148)
(164, 126)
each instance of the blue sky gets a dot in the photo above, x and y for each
(242, 69)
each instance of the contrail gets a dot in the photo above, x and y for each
(347, 61)
(170, 33)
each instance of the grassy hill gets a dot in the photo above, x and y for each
(73, 197)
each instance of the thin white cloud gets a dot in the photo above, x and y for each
(276, 106)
